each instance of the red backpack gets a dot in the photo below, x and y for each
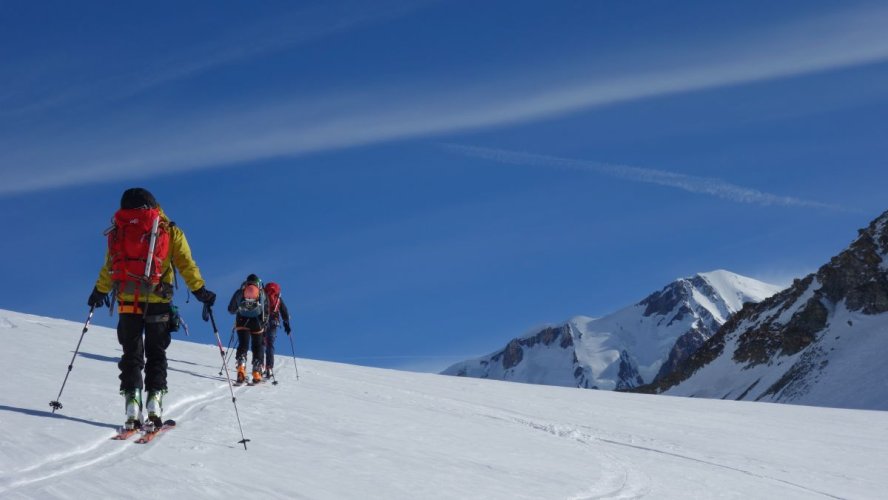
(138, 243)
(273, 293)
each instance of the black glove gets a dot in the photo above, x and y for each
(205, 296)
(287, 327)
(98, 299)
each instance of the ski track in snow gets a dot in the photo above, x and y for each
(727, 467)
(572, 432)
(622, 479)
(60, 464)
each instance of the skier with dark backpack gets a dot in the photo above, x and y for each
(277, 314)
(250, 307)
(144, 247)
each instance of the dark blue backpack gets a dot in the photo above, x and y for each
(251, 301)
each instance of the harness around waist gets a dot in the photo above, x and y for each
(139, 308)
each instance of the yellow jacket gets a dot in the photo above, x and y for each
(178, 256)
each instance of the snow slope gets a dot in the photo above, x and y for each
(343, 431)
(850, 357)
(629, 347)
(822, 341)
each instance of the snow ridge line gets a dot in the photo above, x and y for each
(76, 459)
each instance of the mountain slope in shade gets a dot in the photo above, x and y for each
(349, 432)
(626, 349)
(823, 341)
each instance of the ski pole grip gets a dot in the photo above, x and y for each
(208, 312)
(92, 309)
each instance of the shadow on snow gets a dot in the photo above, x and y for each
(99, 357)
(47, 414)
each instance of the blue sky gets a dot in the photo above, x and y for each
(429, 179)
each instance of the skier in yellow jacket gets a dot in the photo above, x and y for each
(146, 308)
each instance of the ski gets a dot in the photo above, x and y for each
(124, 434)
(147, 437)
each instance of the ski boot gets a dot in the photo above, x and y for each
(241, 373)
(269, 372)
(257, 376)
(133, 402)
(154, 407)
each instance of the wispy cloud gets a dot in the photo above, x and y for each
(694, 184)
(130, 146)
(326, 19)
(263, 37)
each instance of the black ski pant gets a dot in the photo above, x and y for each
(270, 334)
(249, 333)
(146, 352)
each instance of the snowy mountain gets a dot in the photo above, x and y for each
(348, 432)
(628, 348)
(823, 341)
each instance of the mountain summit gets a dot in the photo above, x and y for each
(822, 341)
(626, 349)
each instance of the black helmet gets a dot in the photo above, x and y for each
(137, 198)
(253, 279)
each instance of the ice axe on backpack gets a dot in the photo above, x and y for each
(149, 260)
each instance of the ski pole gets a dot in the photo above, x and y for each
(56, 405)
(294, 355)
(208, 313)
(227, 351)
